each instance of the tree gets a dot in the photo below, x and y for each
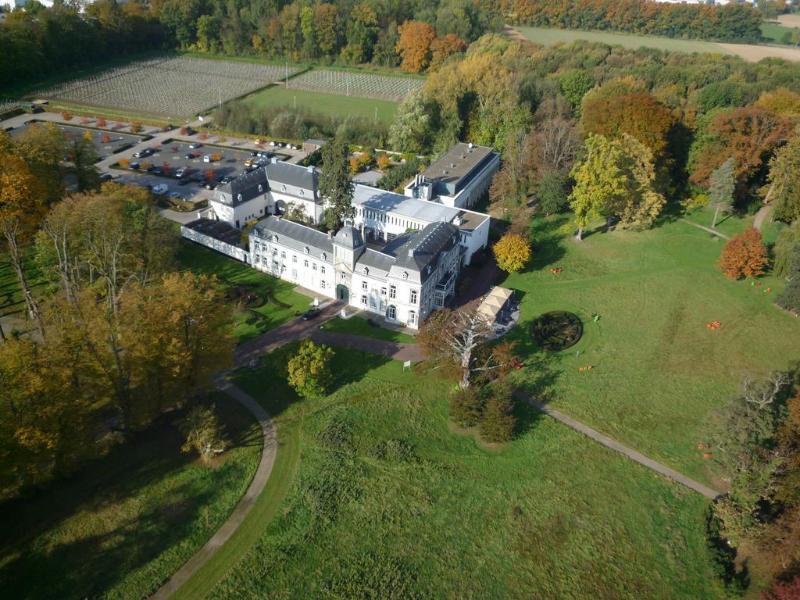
(790, 296)
(615, 178)
(744, 255)
(498, 422)
(444, 47)
(335, 185)
(748, 135)
(788, 590)
(203, 433)
(788, 238)
(325, 18)
(781, 101)
(784, 181)
(414, 45)
(512, 252)
(574, 85)
(721, 186)
(309, 371)
(466, 406)
(551, 192)
(460, 339)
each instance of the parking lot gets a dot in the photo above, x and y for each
(188, 163)
(106, 143)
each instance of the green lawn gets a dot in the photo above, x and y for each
(12, 304)
(730, 224)
(276, 303)
(128, 521)
(328, 104)
(359, 325)
(659, 373)
(775, 32)
(389, 502)
(548, 37)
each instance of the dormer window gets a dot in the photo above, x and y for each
(239, 197)
(302, 192)
(275, 238)
(260, 188)
(324, 256)
(405, 274)
(306, 250)
(283, 188)
(366, 270)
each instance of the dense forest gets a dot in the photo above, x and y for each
(730, 22)
(40, 41)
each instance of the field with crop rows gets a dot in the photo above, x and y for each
(362, 85)
(171, 87)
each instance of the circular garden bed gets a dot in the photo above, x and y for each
(557, 330)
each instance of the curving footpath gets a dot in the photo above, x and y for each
(224, 533)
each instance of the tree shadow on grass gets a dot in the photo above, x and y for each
(96, 547)
(547, 241)
(537, 383)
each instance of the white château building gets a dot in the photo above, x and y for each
(403, 282)
(399, 257)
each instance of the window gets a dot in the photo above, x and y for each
(306, 250)
(322, 284)
(366, 270)
(294, 258)
(342, 276)
(305, 263)
(405, 274)
(392, 292)
(372, 303)
(322, 270)
(364, 285)
(283, 254)
(391, 312)
(314, 267)
(383, 291)
(364, 300)
(324, 256)
(413, 296)
(412, 317)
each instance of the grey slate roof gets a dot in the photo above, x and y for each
(456, 167)
(243, 188)
(349, 237)
(219, 230)
(283, 173)
(378, 263)
(423, 248)
(296, 236)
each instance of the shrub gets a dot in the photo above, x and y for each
(136, 126)
(498, 422)
(105, 138)
(551, 191)
(789, 590)
(790, 297)
(66, 115)
(384, 162)
(512, 252)
(203, 433)
(101, 121)
(784, 247)
(744, 255)
(466, 407)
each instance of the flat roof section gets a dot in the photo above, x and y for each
(456, 165)
(219, 230)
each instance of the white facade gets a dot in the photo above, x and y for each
(239, 214)
(404, 288)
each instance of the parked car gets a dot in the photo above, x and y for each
(195, 145)
(134, 165)
(206, 158)
(210, 185)
(144, 153)
(190, 156)
(106, 177)
(310, 314)
(160, 189)
(181, 172)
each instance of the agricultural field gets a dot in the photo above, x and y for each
(659, 374)
(169, 87)
(748, 52)
(327, 104)
(121, 527)
(388, 501)
(361, 85)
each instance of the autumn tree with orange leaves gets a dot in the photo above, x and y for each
(744, 256)
(414, 45)
(444, 47)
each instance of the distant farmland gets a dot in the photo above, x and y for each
(363, 85)
(749, 52)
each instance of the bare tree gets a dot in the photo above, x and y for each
(555, 142)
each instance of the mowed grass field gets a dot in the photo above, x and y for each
(328, 104)
(361, 325)
(126, 522)
(658, 372)
(548, 37)
(748, 52)
(389, 502)
(277, 301)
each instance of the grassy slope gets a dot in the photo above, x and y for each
(128, 521)
(328, 104)
(659, 373)
(550, 515)
(548, 37)
(358, 325)
(282, 301)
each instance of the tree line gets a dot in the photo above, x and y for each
(117, 335)
(729, 23)
(39, 41)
